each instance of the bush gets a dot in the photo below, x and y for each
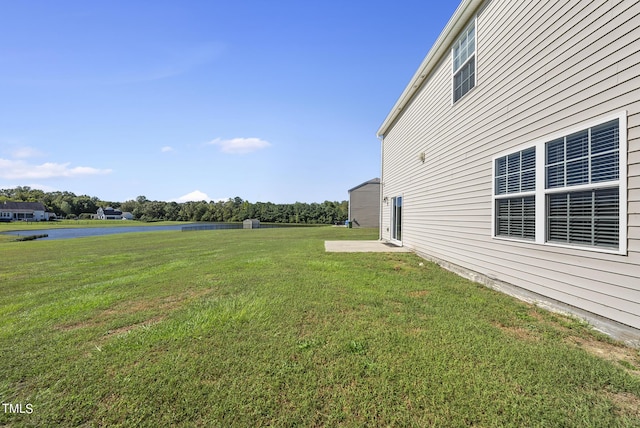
(30, 237)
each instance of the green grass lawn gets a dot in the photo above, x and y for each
(263, 328)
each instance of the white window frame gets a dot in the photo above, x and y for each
(520, 194)
(474, 55)
(541, 192)
(395, 224)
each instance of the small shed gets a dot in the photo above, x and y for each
(251, 223)
(364, 204)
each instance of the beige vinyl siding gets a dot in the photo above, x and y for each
(542, 67)
(634, 182)
(364, 205)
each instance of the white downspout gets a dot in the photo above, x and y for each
(381, 138)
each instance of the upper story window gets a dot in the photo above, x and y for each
(464, 62)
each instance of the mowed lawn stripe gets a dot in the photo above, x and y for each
(263, 328)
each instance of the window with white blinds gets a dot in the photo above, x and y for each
(584, 218)
(589, 156)
(590, 160)
(516, 217)
(567, 190)
(515, 174)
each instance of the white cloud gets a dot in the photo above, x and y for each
(240, 146)
(26, 152)
(166, 149)
(17, 169)
(195, 196)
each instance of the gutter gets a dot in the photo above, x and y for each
(439, 50)
(381, 197)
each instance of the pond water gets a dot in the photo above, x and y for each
(83, 232)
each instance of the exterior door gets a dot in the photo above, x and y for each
(396, 219)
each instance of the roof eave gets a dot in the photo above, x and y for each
(372, 181)
(440, 48)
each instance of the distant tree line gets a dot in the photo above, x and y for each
(69, 205)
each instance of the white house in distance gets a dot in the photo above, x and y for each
(513, 155)
(109, 213)
(27, 211)
(364, 204)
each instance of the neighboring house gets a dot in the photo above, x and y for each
(364, 204)
(127, 215)
(109, 213)
(28, 211)
(513, 155)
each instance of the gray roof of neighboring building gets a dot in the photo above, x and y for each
(372, 181)
(111, 212)
(35, 206)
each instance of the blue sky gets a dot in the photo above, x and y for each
(266, 100)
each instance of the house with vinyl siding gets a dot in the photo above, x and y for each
(364, 204)
(513, 155)
(109, 213)
(24, 211)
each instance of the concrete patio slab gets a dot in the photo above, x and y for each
(362, 247)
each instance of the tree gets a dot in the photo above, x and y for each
(233, 209)
(128, 206)
(171, 211)
(85, 204)
(66, 208)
